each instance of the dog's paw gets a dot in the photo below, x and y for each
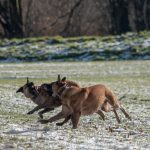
(59, 124)
(40, 116)
(29, 113)
(74, 127)
(43, 121)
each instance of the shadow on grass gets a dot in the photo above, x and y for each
(15, 131)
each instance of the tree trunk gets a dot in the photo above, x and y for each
(11, 18)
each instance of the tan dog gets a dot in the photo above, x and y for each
(84, 101)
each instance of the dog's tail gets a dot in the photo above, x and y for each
(112, 99)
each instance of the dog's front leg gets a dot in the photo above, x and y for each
(35, 109)
(75, 119)
(44, 111)
(66, 111)
(65, 121)
(54, 118)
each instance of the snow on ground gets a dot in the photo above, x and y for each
(128, 78)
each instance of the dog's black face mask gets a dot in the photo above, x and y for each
(28, 85)
(28, 89)
(32, 88)
(47, 88)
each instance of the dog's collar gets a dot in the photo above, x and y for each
(61, 90)
(56, 100)
(36, 92)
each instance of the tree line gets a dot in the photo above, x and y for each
(26, 18)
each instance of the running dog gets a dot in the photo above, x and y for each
(42, 96)
(78, 101)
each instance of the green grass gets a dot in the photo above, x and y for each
(129, 46)
(128, 78)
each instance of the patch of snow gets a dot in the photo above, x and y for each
(146, 43)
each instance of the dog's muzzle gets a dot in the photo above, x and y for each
(19, 90)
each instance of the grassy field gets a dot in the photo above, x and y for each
(128, 78)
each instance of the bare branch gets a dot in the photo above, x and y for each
(70, 17)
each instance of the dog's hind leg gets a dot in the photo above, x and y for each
(116, 115)
(114, 105)
(101, 114)
(44, 111)
(125, 113)
(65, 121)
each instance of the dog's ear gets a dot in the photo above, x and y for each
(58, 79)
(63, 79)
(20, 90)
(27, 80)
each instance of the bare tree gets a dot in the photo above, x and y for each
(146, 12)
(11, 18)
(119, 16)
(24, 18)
